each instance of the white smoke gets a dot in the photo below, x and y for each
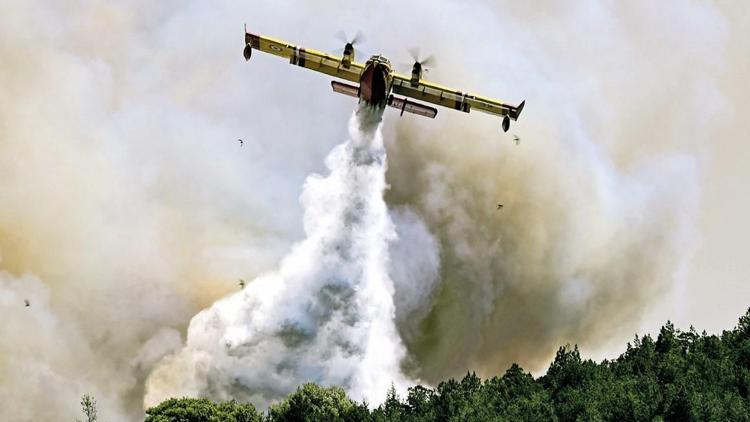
(127, 207)
(327, 315)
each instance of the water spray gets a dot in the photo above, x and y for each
(325, 316)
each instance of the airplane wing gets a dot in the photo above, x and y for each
(457, 100)
(303, 57)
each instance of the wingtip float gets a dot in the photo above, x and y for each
(378, 85)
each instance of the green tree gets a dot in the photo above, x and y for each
(88, 405)
(392, 408)
(420, 404)
(315, 403)
(516, 396)
(202, 410)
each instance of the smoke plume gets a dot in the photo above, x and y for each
(128, 208)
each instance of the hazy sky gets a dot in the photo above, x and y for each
(126, 205)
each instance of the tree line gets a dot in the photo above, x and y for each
(680, 376)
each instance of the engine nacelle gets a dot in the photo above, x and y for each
(248, 52)
(348, 58)
(416, 74)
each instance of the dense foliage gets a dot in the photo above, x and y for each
(681, 376)
(314, 403)
(202, 410)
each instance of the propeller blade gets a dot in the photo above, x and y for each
(429, 61)
(341, 36)
(340, 52)
(414, 53)
(358, 38)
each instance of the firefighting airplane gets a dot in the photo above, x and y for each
(377, 81)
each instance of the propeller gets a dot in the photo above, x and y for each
(426, 62)
(358, 39)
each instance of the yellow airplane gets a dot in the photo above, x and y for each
(377, 81)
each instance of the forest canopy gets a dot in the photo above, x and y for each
(682, 375)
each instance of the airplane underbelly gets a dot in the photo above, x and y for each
(372, 87)
(365, 85)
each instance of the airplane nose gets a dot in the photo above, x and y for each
(248, 52)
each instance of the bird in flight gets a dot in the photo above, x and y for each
(242, 284)
(26, 302)
(516, 139)
(241, 142)
(499, 206)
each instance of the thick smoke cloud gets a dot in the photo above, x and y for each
(326, 315)
(127, 207)
(591, 233)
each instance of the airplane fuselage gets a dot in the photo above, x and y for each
(376, 82)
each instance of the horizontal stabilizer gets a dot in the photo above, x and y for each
(411, 107)
(345, 89)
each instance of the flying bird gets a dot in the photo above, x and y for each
(516, 139)
(242, 284)
(241, 142)
(26, 302)
(499, 206)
